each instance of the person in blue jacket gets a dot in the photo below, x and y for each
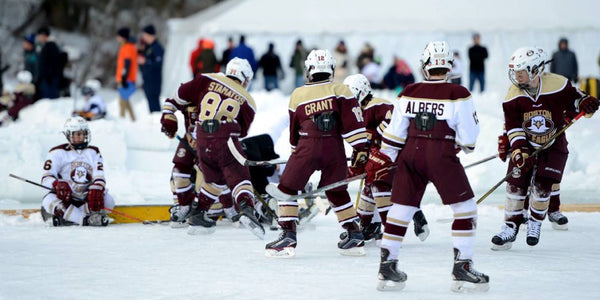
(245, 52)
(150, 63)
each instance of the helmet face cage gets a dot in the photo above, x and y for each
(319, 61)
(76, 124)
(24, 77)
(91, 87)
(436, 56)
(359, 86)
(530, 59)
(239, 68)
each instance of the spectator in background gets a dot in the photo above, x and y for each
(2, 70)
(151, 66)
(126, 73)
(49, 65)
(226, 53)
(366, 51)
(94, 107)
(342, 62)
(30, 58)
(203, 59)
(297, 63)
(244, 52)
(22, 96)
(564, 61)
(398, 76)
(455, 75)
(372, 71)
(477, 56)
(271, 66)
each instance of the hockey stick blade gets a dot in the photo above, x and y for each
(250, 163)
(316, 191)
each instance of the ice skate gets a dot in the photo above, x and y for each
(247, 218)
(533, 231)
(465, 278)
(558, 221)
(390, 278)
(200, 223)
(421, 227)
(352, 243)
(179, 215)
(504, 239)
(95, 219)
(282, 247)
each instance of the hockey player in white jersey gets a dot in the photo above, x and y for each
(75, 173)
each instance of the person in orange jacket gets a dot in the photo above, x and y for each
(126, 71)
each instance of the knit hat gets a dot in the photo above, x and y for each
(30, 38)
(123, 32)
(44, 30)
(150, 29)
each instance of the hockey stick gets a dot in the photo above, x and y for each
(481, 161)
(543, 147)
(83, 200)
(250, 163)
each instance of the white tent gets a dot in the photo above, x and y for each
(392, 27)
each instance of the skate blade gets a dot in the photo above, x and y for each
(504, 247)
(556, 226)
(468, 287)
(287, 252)
(256, 229)
(388, 285)
(314, 211)
(354, 251)
(177, 225)
(201, 230)
(423, 235)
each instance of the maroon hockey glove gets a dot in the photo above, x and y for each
(359, 161)
(503, 146)
(95, 197)
(588, 105)
(169, 124)
(520, 157)
(63, 191)
(376, 167)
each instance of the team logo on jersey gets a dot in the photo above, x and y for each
(539, 126)
(181, 152)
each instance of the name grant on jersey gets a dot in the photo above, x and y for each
(315, 107)
(223, 90)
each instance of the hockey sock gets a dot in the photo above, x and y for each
(554, 198)
(463, 227)
(226, 199)
(209, 194)
(515, 201)
(243, 192)
(382, 194)
(342, 206)
(398, 218)
(540, 198)
(366, 206)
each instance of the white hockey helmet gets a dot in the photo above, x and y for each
(74, 124)
(359, 86)
(319, 61)
(24, 76)
(240, 68)
(91, 87)
(530, 59)
(437, 55)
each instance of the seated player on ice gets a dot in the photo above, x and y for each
(75, 173)
(94, 105)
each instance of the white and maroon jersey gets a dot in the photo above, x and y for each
(80, 168)
(452, 106)
(377, 114)
(532, 121)
(95, 105)
(218, 97)
(309, 101)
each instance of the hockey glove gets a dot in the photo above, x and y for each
(520, 157)
(169, 124)
(503, 146)
(359, 161)
(63, 191)
(377, 166)
(95, 197)
(588, 105)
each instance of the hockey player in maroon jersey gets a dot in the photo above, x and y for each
(533, 112)
(225, 111)
(322, 115)
(432, 121)
(377, 113)
(75, 173)
(183, 165)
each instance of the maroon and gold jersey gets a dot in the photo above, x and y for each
(313, 99)
(532, 121)
(377, 114)
(189, 111)
(220, 98)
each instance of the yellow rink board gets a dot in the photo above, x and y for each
(143, 212)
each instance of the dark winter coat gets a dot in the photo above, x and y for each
(152, 68)
(477, 56)
(565, 64)
(297, 61)
(31, 63)
(270, 63)
(49, 63)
